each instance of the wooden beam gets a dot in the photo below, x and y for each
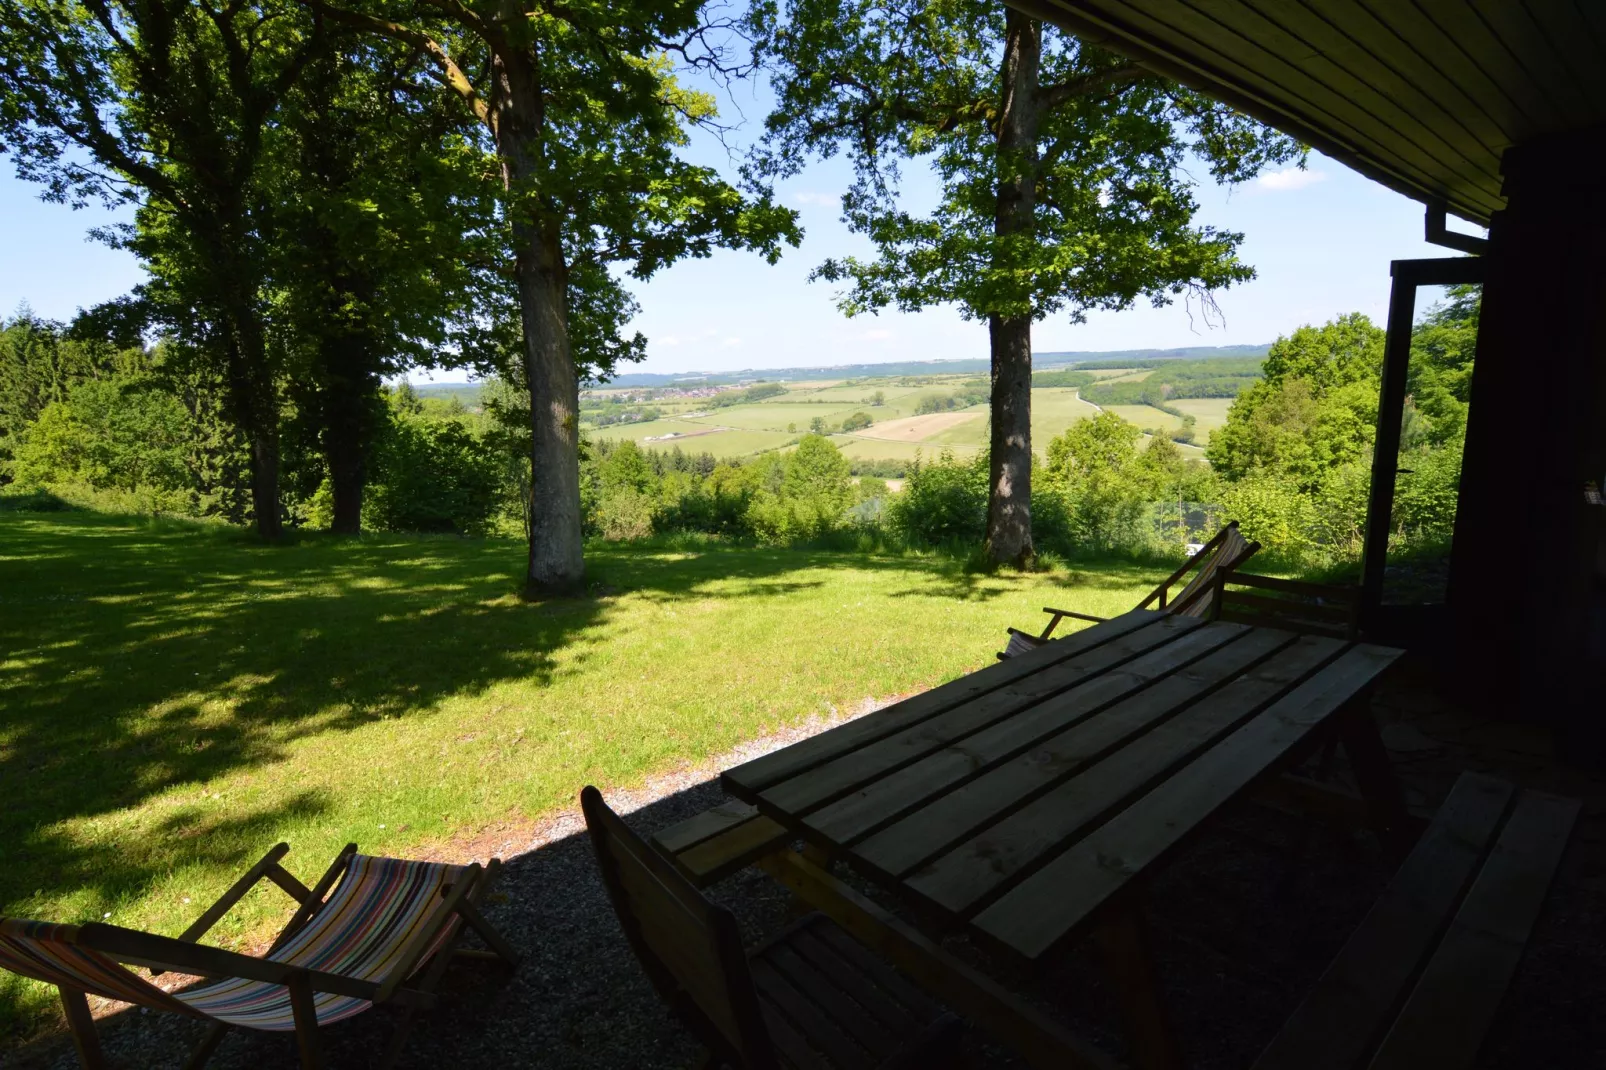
(1038, 1039)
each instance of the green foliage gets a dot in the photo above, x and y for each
(434, 476)
(1062, 379)
(727, 398)
(1171, 380)
(1112, 221)
(1315, 410)
(1096, 471)
(962, 399)
(123, 434)
(856, 422)
(39, 364)
(944, 502)
(1295, 453)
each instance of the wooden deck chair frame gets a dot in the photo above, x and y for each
(458, 908)
(1198, 588)
(742, 1040)
(1314, 608)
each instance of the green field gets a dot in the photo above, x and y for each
(896, 434)
(1210, 413)
(178, 699)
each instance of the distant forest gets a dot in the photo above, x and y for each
(1122, 358)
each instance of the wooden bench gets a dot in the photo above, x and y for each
(1421, 979)
(720, 841)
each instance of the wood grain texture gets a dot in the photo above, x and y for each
(979, 869)
(1342, 1017)
(1444, 1022)
(1039, 914)
(746, 780)
(806, 791)
(891, 796)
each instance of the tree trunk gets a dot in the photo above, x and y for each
(255, 411)
(265, 482)
(1009, 499)
(348, 471)
(556, 563)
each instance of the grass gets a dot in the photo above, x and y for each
(177, 698)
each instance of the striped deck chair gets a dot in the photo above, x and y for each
(1227, 550)
(384, 934)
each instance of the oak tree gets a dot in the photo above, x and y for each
(1063, 174)
(581, 105)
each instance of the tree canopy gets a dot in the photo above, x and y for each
(1063, 184)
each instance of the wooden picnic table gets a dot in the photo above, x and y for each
(1025, 801)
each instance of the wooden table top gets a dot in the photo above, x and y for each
(1021, 798)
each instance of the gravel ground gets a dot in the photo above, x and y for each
(1243, 922)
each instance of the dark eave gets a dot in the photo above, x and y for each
(1423, 96)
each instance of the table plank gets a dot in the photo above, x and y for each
(1340, 1018)
(969, 809)
(1037, 915)
(983, 866)
(889, 797)
(805, 792)
(1454, 1003)
(747, 779)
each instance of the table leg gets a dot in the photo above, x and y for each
(1041, 1041)
(1123, 941)
(1385, 802)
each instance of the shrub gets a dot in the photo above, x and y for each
(434, 476)
(857, 422)
(943, 502)
(123, 435)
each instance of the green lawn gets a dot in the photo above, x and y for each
(175, 700)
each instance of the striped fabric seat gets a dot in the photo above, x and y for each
(1019, 643)
(47, 952)
(1199, 595)
(360, 932)
(373, 930)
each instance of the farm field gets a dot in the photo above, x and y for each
(1211, 413)
(181, 697)
(898, 430)
(1145, 416)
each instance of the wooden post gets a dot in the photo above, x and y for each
(303, 1006)
(1123, 940)
(1042, 1042)
(82, 1023)
(1385, 802)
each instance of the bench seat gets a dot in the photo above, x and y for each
(720, 841)
(1421, 979)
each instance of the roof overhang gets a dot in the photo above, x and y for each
(1423, 97)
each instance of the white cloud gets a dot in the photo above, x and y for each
(668, 340)
(1290, 178)
(731, 341)
(825, 200)
(879, 334)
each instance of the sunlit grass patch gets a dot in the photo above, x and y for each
(167, 715)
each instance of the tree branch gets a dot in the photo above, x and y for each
(451, 74)
(1049, 96)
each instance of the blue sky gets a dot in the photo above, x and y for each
(1321, 241)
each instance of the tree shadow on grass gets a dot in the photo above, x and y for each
(139, 657)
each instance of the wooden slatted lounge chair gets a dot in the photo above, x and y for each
(811, 997)
(1293, 605)
(1225, 551)
(349, 946)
